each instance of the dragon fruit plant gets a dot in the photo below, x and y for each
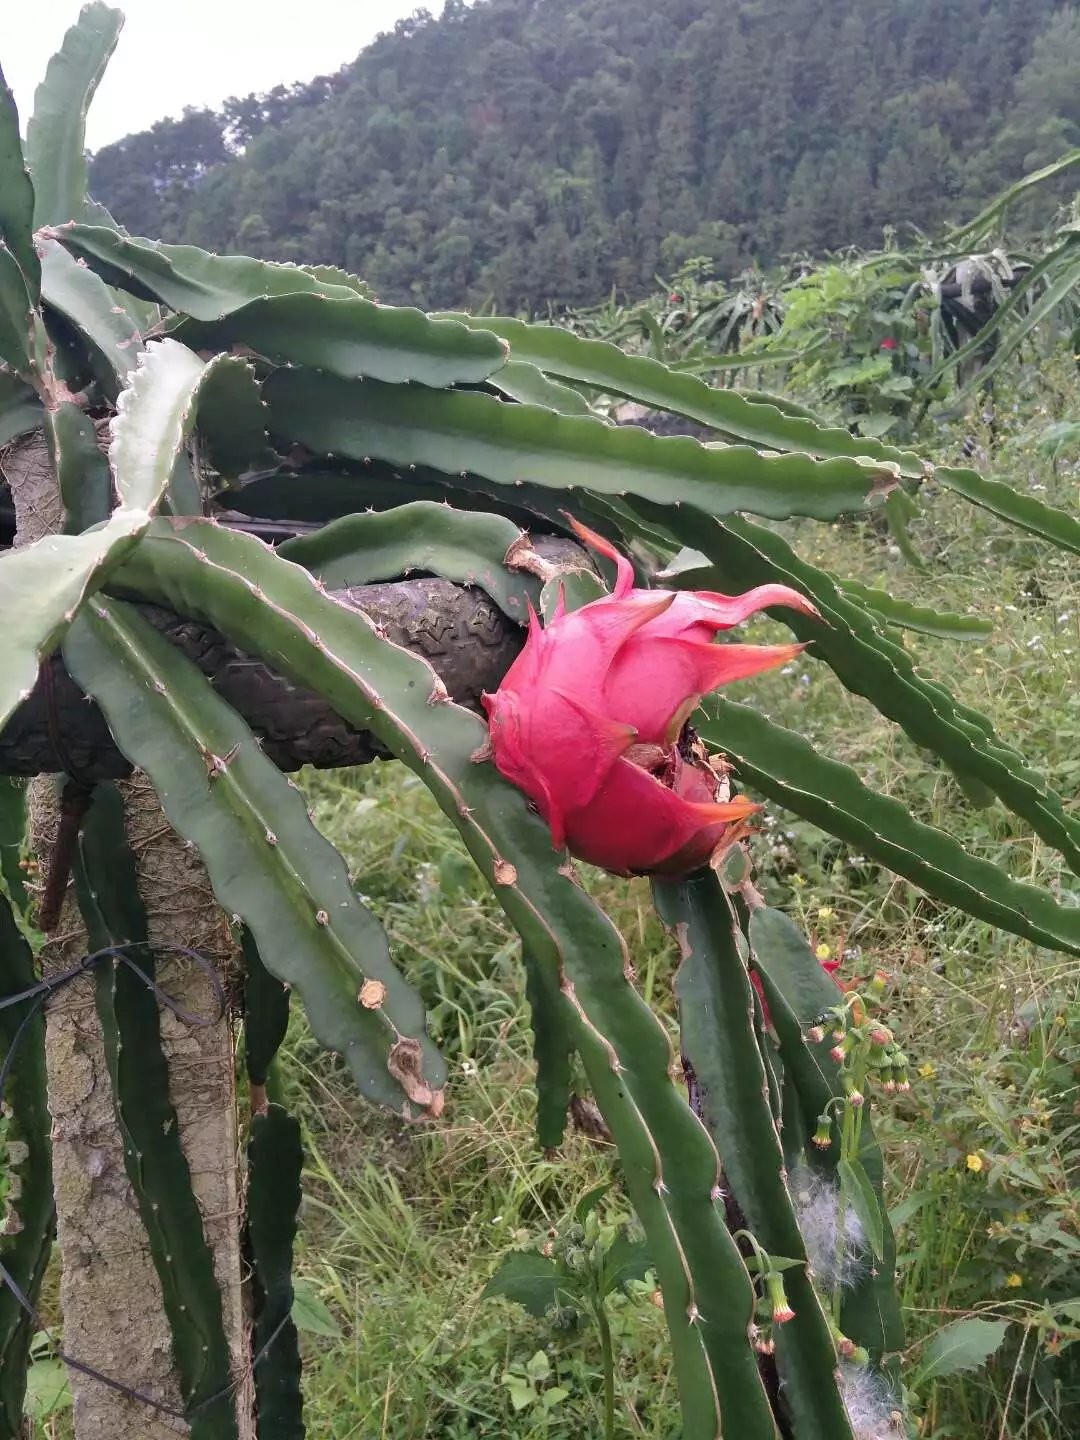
(450, 445)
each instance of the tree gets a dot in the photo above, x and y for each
(680, 113)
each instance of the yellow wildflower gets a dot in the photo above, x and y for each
(1013, 1281)
(823, 952)
(927, 1071)
(974, 1163)
(825, 912)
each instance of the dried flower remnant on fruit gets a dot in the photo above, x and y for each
(590, 720)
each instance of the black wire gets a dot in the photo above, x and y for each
(51, 983)
(39, 993)
(224, 1393)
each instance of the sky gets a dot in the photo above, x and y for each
(192, 52)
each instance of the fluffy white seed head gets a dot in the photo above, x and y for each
(835, 1243)
(871, 1405)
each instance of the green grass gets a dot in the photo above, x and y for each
(404, 1225)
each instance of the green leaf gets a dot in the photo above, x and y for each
(184, 495)
(869, 663)
(267, 862)
(625, 1260)
(17, 332)
(13, 847)
(786, 406)
(920, 618)
(310, 1314)
(553, 1051)
(104, 324)
(231, 418)
(963, 1345)
(669, 1163)
(1059, 289)
(47, 1391)
(798, 990)
(106, 882)
(341, 279)
(81, 469)
(751, 359)
(351, 338)
(42, 587)
(719, 1039)
(859, 1194)
(20, 409)
(56, 134)
(590, 1200)
(510, 444)
(190, 280)
(469, 549)
(156, 412)
(1001, 203)
(16, 196)
(288, 314)
(533, 1282)
(154, 416)
(26, 1241)
(900, 510)
(604, 366)
(531, 386)
(275, 1161)
(1046, 521)
(785, 768)
(1061, 283)
(319, 496)
(266, 1012)
(716, 1004)
(572, 589)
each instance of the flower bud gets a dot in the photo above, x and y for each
(816, 1034)
(822, 1136)
(781, 1310)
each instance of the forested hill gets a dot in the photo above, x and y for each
(535, 150)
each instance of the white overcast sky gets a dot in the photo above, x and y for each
(174, 53)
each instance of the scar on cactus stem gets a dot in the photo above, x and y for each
(590, 721)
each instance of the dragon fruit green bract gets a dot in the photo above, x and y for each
(590, 720)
